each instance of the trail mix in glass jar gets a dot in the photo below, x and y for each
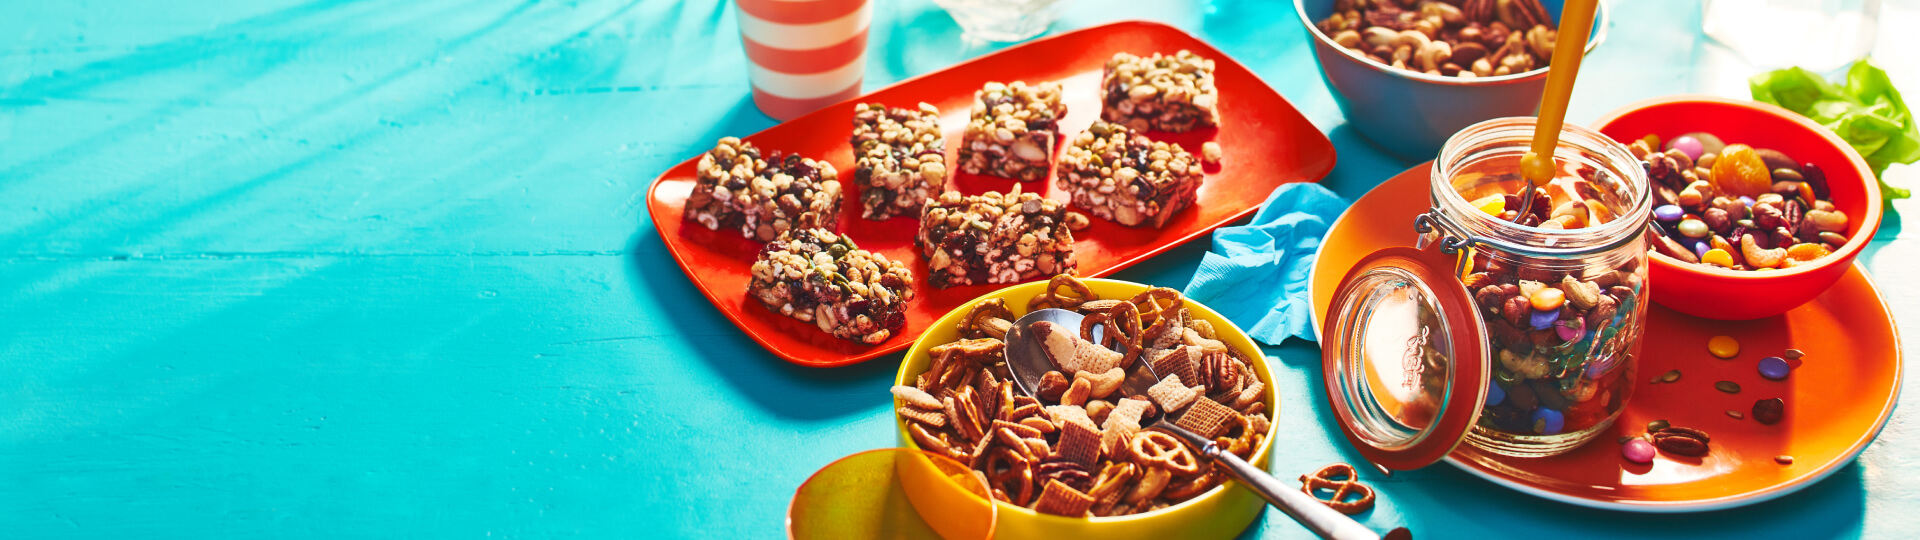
(1560, 288)
(1739, 207)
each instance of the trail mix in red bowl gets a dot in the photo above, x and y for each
(1738, 207)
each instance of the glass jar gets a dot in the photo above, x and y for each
(1561, 293)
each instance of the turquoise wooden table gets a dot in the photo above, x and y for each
(326, 268)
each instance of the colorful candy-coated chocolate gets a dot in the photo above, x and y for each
(1774, 367)
(1701, 249)
(1548, 298)
(1548, 421)
(1637, 450)
(1687, 144)
(1542, 319)
(1570, 329)
(1746, 201)
(1717, 257)
(1723, 346)
(1668, 213)
(1709, 143)
(1495, 394)
(1694, 228)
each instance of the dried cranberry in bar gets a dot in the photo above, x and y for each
(1012, 131)
(820, 277)
(738, 190)
(1118, 174)
(899, 158)
(1167, 93)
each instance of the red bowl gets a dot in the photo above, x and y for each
(1724, 294)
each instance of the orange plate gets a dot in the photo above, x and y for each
(1838, 398)
(1266, 143)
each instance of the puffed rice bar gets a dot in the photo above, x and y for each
(1168, 93)
(762, 198)
(1118, 174)
(1012, 131)
(994, 238)
(818, 276)
(899, 158)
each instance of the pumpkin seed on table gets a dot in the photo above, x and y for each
(1737, 415)
(1794, 354)
(1727, 386)
(1667, 377)
(1658, 425)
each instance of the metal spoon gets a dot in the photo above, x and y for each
(1027, 361)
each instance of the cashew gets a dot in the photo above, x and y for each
(1412, 39)
(1102, 385)
(1434, 54)
(1760, 258)
(1540, 40)
(1576, 214)
(1348, 38)
(1377, 37)
(1482, 68)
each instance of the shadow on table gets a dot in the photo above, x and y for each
(782, 389)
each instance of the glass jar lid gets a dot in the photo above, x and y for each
(1403, 357)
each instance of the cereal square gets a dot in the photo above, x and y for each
(1062, 500)
(817, 276)
(994, 238)
(1120, 175)
(1167, 93)
(1080, 443)
(1207, 418)
(762, 198)
(1012, 130)
(1171, 395)
(899, 159)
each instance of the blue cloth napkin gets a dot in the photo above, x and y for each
(1256, 274)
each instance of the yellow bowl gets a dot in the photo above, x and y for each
(1222, 512)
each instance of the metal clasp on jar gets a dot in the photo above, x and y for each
(1435, 226)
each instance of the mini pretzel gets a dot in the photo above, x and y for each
(1156, 449)
(1123, 328)
(1053, 299)
(1016, 480)
(1344, 481)
(1242, 445)
(1156, 306)
(990, 318)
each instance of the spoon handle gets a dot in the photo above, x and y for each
(1317, 517)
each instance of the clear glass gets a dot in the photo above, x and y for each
(1003, 20)
(1815, 34)
(1398, 384)
(892, 493)
(1561, 376)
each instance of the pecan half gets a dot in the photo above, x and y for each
(1682, 441)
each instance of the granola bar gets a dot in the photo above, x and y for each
(1118, 174)
(994, 238)
(899, 158)
(1168, 93)
(762, 198)
(1013, 130)
(817, 276)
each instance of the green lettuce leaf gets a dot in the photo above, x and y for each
(1865, 110)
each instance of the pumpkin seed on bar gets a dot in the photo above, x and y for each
(1727, 386)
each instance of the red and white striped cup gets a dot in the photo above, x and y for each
(803, 54)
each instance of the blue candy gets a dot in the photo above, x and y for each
(1543, 319)
(1495, 394)
(1668, 213)
(1548, 421)
(1700, 249)
(1746, 201)
(1774, 367)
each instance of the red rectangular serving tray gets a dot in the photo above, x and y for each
(1265, 143)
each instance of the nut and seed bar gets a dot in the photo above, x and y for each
(1117, 174)
(1012, 131)
(1168, 93)
(737, 189)
(994, 238)
(899, 158)
(818, 276)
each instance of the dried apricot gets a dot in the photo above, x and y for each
(1739, 171)
(1807, 252)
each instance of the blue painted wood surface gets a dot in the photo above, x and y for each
(324, 269)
